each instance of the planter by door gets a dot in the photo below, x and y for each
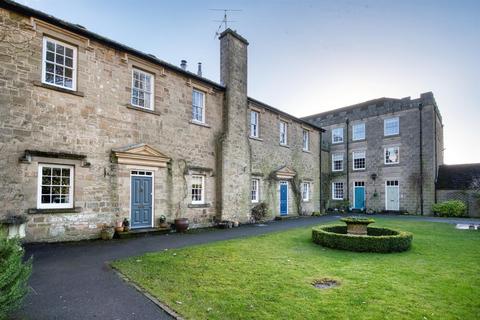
(141, 201)
(181, 224)
(392, 195)
(283, 198)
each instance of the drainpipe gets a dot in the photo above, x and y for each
(347, 165)
(420, 106)
(320, 174)
(435, 153)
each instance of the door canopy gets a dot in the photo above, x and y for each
(140, 154)
(285, 173)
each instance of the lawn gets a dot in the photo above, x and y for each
(269, 277)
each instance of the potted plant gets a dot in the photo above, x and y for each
(119, 226)
(163, 222)
(126, 225)
(107, 232)
(181, 224)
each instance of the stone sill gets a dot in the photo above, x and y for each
(359, 140)
(200, 205)
(201, 124)
(391, 165)
(284, 145)
(132, 107)
(337, 143)
(391, 136)
(47, 86)
(306, 151)
(255, 138)
(48, 211)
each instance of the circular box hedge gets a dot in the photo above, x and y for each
(380, 240)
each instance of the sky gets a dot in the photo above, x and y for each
(307, 56)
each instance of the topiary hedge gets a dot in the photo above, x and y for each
(380, 240)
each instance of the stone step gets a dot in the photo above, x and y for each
(134, 233)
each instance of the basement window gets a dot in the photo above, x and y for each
(55, 186)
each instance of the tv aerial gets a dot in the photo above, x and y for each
(224, 22)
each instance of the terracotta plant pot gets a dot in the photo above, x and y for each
(107, 233)
(119, 229)
(181, 224)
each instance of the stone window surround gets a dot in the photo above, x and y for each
(305, 134)
(203, 105)
(257, 124)
(202, 189)
(283, 132)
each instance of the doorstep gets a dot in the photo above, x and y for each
(134, 233)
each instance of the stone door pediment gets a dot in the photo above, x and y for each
(285, 173)
(140, 154)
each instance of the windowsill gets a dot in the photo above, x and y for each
(255, 202)
(391, 136)
(284, 145)
(201, 124)
(391, 164)
(305, 201)
(359, 140)
(337, 171)
(199, 205)
(132, 107)
(334, 143)
(54, 210)
(358, 170)
(306, 151)
(48, 86)
(255, 138)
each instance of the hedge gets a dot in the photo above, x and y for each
(451, 208)
(381, 240)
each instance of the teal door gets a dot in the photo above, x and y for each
(359, 197)
(283, 198)
(141, 201)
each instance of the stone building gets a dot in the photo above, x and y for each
(92, 132)
(382, 154)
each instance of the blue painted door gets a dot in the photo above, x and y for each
(359, 197)
(141, 202)
(283, 198)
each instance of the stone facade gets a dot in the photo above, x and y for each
(415, 182)
(95, 130)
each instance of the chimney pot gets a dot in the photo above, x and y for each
(183, 64)
(199, 71)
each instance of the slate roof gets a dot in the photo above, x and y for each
(458, 176)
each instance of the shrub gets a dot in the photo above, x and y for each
(452, 208)
(380, 240)
(14, 274)
(259, 212)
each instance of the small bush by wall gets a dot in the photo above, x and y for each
(451, 208)
(380, 240)
(14, 274)
(259, 212)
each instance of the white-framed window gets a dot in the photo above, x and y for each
(337, 162)
(283, 132)
(198, 106)
(359, 161)
(391, 126)
(337, 191)
(142, 89)
(337, 135)
(198, 189)
(59, 64)
(55, 186)
(358, 131)
(305, 191)
(254, 117)
(306, 140)
(392, 155)
(255, 190)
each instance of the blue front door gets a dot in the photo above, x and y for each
(141, 201)
(359, 197)
(283, 198)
